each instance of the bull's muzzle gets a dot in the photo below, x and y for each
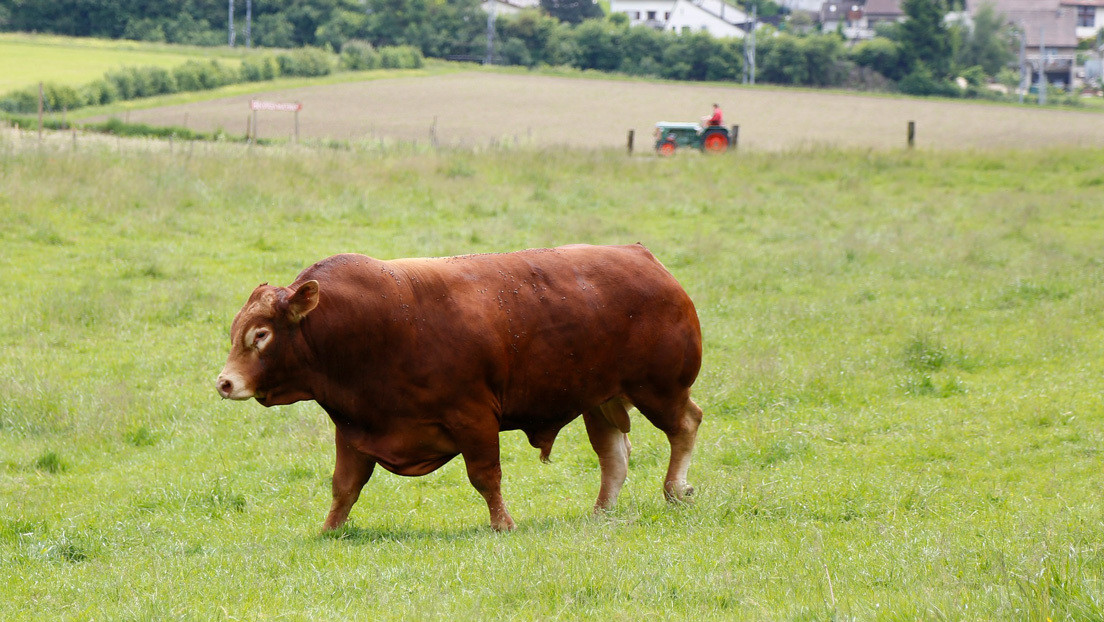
(231, 387)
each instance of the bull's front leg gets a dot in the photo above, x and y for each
(352, 469)
(481, 458)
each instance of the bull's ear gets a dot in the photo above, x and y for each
(303, 301)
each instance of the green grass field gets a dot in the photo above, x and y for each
(26, 59)
(902, 386)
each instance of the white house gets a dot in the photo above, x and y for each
(716, 17)
(1090, 16)
(811, 6)
(508, 7)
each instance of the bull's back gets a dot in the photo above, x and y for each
(547, 332)
(572, 326)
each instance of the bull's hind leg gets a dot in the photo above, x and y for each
(679, 419)
(682, 439)
(606, 425)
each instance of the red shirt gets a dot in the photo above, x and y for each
(716, 118)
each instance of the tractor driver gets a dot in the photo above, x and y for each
(716, 119)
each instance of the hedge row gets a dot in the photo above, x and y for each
(136, 82)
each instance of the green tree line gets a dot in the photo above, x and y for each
(921, 56)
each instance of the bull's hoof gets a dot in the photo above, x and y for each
(504, 525)
(678, 493)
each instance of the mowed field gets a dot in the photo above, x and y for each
(476, 108)
(27, 59)
(902, 389)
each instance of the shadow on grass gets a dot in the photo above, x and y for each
(354, 534)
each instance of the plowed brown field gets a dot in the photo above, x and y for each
(478, 108)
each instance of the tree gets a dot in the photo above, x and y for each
(642, 48)
(782, 60)
(924, 39)
(988, 45)
(571, 11)
(881, 55)
(599, 47)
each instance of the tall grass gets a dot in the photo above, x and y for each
(902, 387)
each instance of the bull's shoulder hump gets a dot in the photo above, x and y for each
(336, 265)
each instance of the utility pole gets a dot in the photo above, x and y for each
(230, 23)
(1025, 81)
(749, 48)
(1042, 67)
(489, 60)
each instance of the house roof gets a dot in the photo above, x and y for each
(1096, 3)
(884, 8)
(1044, 21)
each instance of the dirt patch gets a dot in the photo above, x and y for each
(476, 108)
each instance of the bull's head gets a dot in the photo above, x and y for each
(266, 346)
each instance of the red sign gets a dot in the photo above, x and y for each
(278, 107)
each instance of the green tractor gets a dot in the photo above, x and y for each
(672, 136)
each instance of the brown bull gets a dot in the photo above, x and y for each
(419, 360)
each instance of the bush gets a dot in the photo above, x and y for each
(98, 92)
(401, 57)
(155, 81)
(922, 82)
(306, 62)
(359, 55)
(59, 97)
(20, 101)
(881, 55)
(258, 68)
(200, 76)
(125, 82)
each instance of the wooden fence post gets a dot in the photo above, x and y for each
(735, 136)
(632, 134)
(911, 134)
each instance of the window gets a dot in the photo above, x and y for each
(1086, 16)
(636, 14)
(651, 15)
(667, 15)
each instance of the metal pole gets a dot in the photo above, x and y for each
(749, 49)
(1025, 82)
(754, 25)
(1042, 67)
(490, 34)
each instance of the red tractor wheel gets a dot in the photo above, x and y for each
(715, 142)
(666, 149)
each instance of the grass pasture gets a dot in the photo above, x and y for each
(26, 59)
(902, 388)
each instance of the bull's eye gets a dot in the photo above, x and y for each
(260, 338)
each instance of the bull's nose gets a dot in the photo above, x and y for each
(225, 386)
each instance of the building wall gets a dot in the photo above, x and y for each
(684, 15)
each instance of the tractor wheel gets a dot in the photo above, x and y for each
(716, 142)
(666, 150)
